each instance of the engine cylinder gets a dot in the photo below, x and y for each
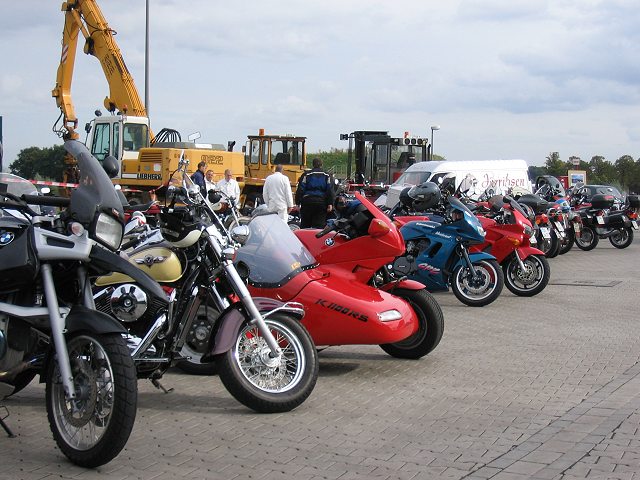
(128, 302)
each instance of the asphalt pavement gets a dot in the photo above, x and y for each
(546, 387)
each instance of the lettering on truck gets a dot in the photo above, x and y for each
(212, 159)
(505, 182)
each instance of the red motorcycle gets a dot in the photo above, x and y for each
(339, 278)
(508, 234)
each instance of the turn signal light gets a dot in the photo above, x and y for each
(378, 228)
(515, 241)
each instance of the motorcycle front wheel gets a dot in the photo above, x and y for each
(94, 427)
(622, 238)
(530, 281)
(430, 328)
(265, 384)
(480, 287)
(588, 239)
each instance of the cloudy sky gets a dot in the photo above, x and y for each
(502, 78)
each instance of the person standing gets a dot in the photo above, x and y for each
(315, 196)
(198, 177)
(208, 181)
(229, 186)
(277, 193)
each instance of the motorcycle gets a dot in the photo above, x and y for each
(337, 273)
(508, 238)
(598, 221)
(437, 252)
(48, 322)
(263, 355)
(546, 229)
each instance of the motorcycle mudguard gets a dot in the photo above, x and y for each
(265, 305)
(109, 261)
(524, 252)
(474, 257)
(407, 284)
(83, 318)
(222, 339)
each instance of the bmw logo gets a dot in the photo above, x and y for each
(329, 242)
(6, 238)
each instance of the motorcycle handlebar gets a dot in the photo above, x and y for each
(46, 200)
(324, 231)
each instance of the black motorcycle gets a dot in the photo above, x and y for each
(48, 323)
(599, 221)
(262, 353)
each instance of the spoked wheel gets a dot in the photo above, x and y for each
(92, 428)
(530, 281)
(480, 287)
(197, 341)
(431, 326)
(588, 239)
(265, 384)
(622, 238)
(567, 242)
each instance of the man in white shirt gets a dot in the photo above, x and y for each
(208, 180)
(229, 186)
(277, 193)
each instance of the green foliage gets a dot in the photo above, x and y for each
(41, 163)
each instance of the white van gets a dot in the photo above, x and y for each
(498, 174)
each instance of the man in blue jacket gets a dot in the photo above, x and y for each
(315, 196)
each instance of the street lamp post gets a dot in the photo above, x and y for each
(433, 127)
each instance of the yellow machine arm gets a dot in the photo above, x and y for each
(85, 16)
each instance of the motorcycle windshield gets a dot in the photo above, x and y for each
(95, 192)
(18, 186)
(273, 253)
(516, 206)
(466, 223)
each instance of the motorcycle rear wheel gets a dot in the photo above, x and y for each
(622, 238)
(567, 243)
(269, 385)
(532, 281)
(431, 326)
(481, 291)
(588, 239)
(94, 427)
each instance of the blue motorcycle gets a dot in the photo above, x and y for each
(437, 254)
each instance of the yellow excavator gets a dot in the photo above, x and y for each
(146, 160)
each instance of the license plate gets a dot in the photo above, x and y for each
(635, 224)
(533, 240)
(559, 226)
(545, 232)
(600, 219)
(576, 227)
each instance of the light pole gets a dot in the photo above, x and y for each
(433, 127)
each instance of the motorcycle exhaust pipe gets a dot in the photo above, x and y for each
(158, 325)
(9, 375)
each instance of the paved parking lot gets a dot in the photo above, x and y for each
(545, 387)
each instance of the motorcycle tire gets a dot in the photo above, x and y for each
(622, 238)
(431, 326)
(268, 385)
(532, 281)
(554, 248)
(93, 428)
(588, 239)
(196, 343)
(231, 222)
(567, 243)
(484, 289)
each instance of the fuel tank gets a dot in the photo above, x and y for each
(160, 263)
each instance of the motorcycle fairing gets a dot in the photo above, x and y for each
(524, 252)
(406, 284)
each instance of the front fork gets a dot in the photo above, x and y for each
(245, 297)
(467, 260)
(57, 330)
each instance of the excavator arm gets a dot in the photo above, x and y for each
(84, 16)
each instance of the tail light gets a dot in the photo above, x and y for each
(632, 215)
(542, 218)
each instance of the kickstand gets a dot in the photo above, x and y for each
(4, 425)
(158, 385)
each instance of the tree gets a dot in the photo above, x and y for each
(555, 166)
(602, 171)
(626, 167)
(45, 163)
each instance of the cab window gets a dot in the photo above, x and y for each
(134, 137)
(101, 141)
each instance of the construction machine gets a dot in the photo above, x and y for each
(262, 153)
(146, 160)
(376, 159)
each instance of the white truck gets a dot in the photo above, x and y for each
(498, 174)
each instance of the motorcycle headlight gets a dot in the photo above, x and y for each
(108, 231)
